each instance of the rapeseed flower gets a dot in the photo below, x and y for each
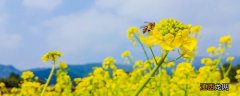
(231, 58)
(27, 75)
(109, 63)
(126, 54)
(131, 33)
(62, 65)
(170, 34)
(52, 55)
(211, 49)
(226, 40)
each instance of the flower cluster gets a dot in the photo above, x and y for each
(172, 34)
(27, 75)
(131, 33)
(109, 63)
(238, 75)
(226, 40)
(126, 54)
(52, 55)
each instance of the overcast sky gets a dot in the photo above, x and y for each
(89, 30)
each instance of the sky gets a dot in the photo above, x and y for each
(87, 31)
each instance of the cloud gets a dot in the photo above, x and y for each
(7, 40)
(92, 34)
(102, 28)
(217, 18)
(48, 5)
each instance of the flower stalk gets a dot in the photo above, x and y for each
(143, 48)
(151, 74)
(49, 78)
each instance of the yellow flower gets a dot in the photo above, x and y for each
(238, 71)
(109, 63)
(188, 54)
(52, 55)
(238, 75)
(2, 84)
(170, 64)
(147, 64)
(208, 61)
(62, 65)
(27, 75)
(14, 90)
(164, 65)
(168, 38)
(126, 54)
(211, 49)
(231, 58)
(132, 32)
(97, 71)
(225, 39)
(221, 50)
(195, 28)
(147, 40)
(138, 63)
(77, 80)
(171, 34)
(189, 45)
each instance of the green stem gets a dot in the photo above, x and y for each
(186, 88)
(223, 69)
(153, 55)
(175, 59)
(220, 62)
(151, 74)
(228, 70)
(49, 78)
(220, 65)
(144, 50)
(130, 60)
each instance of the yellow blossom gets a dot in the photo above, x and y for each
(77, 80)
(52, 55)
(108, 63)
(225, 39)
(126, 54)
(132, 32)
(171, 34)
(27, 75)
(195, 28)
(238, 75)
(62, 65)
(138, 63)
(170, 64)
(211, 49)
(208, 61)
(231, 58)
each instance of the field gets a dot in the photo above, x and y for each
(149, 76)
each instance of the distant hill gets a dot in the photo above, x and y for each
(74, 71)
(6, 70)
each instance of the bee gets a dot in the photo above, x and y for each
(148, 28)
